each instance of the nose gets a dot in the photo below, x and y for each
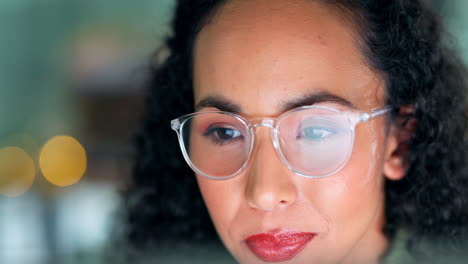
(270, 184)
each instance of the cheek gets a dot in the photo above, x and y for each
(350, 199)
(366, 162)
(222, 199)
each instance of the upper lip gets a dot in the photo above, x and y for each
(278, 246)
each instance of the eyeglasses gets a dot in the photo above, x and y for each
(312, 141)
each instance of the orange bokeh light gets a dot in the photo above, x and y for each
(17, 171)
(62, 161)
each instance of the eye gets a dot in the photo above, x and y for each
(222, 135)
(316, 133)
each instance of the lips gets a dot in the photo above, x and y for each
(278, 246)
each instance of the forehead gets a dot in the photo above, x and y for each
(261, 53)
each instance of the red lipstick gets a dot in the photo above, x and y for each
(278, 246)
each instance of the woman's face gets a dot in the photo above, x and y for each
(261, 55)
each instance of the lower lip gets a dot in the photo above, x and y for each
(278, 246)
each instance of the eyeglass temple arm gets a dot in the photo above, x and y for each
(374, 113)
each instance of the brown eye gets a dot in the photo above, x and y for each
(222, 135)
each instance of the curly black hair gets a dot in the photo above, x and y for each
(403, 40)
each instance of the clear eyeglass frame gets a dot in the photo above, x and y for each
(353, 118)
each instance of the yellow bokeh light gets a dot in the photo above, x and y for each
(63, 160)
(17, 171)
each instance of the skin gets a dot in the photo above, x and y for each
(259, 55)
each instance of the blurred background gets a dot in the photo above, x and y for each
(71, 96)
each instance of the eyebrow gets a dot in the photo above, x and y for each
(226, 105)
(219, 102)
(315, 98)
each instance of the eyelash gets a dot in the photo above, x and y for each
(213, 129)
(332, 132)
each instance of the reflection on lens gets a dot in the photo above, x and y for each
(315, 142)
(216, 144)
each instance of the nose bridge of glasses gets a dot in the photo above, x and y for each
(264, 122)
(259, 122)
